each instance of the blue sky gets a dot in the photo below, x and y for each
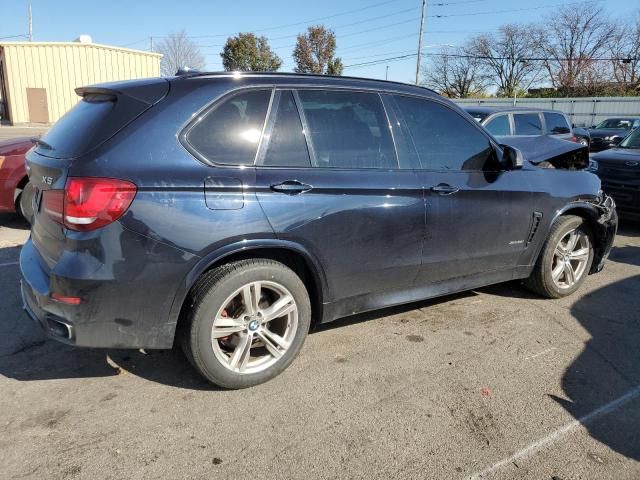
(366, 30)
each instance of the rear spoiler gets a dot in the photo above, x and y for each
(148, 92)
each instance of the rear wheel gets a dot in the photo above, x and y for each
(248, 322)
(565, 259)
(24, 197)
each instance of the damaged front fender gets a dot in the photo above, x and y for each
(605, 228)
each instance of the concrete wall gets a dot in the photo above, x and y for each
(583, 111)
(60, 67)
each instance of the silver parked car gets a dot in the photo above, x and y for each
(513, 121)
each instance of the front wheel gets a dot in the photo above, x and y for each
(565, 259)
(248, 322)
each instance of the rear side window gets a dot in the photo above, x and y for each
(556, 123)
(444, 139)
(231, 132)
(287, 145)
(527, 124)
(499, 125)
(96, 118)
(348, 129)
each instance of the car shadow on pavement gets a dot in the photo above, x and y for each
(608, 369)
(11, 220)
(26, 355)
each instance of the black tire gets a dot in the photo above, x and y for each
(208, 296)
(541, 280)
(23, 203)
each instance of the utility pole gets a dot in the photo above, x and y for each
(30, 25)
(424, 8)
(151, 44)
(386, 75)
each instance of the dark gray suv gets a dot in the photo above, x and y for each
(231, 212)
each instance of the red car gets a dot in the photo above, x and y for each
(13, 177)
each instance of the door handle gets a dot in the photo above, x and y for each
(444, 189)
(291, 187)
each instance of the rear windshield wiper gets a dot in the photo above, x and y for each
(41, 143)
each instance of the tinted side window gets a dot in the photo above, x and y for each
(499, 125)
(444, 139)
(287, 145)
(230, 133)
(348, 129)
(556, 123)
(527, 124)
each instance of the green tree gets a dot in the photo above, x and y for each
(315, 50)
(248, 53)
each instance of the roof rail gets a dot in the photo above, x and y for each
(196, 73)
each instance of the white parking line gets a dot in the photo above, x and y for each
(9, 264)
(544, 352)
(556, 434)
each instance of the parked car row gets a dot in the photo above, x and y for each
(230, 213)
(610, 132)
(619, 170)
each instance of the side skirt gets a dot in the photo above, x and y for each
(365, 303)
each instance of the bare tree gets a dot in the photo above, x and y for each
(315, 50)
(570, 41)
(624, 49)
(455, 74)
(177, 52)
(504, 56)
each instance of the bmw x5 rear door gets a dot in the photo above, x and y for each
(336, 189)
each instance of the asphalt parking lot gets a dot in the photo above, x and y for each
(495, 383)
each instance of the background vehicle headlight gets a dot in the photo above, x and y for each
(593, 166)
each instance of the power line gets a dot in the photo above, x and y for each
(485, 57)
(15, 36)
(352, 34)
(306, 22)
(493, 12)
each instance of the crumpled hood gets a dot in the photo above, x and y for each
(543, 148)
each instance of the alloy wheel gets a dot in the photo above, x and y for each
(570, 259)
(254, 327)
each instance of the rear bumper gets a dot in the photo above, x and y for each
(124, 303)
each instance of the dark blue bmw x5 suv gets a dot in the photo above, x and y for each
(229, 213)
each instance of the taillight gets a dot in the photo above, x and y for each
(574, 139)
(87, 203)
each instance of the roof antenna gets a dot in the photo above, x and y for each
(186, 71)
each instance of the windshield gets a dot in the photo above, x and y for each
(616, 123)
(632, 140)
(477, 116)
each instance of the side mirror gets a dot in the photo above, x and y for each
(512, 158)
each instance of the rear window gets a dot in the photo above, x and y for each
(556, 123)
(527, 124)
(93, 120)
(231, 132)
